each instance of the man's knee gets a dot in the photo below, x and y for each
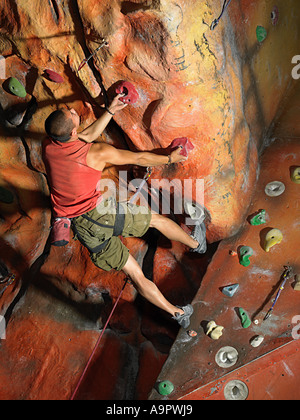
(156, 220)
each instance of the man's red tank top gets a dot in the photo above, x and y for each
(73, 184)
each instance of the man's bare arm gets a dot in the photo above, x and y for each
(101, 154)
(93, 131)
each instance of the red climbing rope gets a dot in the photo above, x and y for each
(98, 341)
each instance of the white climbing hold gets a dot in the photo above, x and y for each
(256, 341)
(274, 188)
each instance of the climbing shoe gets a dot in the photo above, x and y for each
(199, 235)
(197, 214)
(184, 319)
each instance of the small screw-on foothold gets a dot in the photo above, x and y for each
(214, 331)
(230, 290)
(258, 219)
(274, 188)
(236, 390)
(226, 357)
(256, 341)
(295, 175)
(245, 253)
(165, 388)
(246, 322)
(273, 237)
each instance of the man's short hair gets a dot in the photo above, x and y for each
(59, 126)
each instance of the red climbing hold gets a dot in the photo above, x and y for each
(275, 15)
(54, 77)
(131, 95)
(183, 142)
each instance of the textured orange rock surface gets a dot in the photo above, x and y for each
(223, 89)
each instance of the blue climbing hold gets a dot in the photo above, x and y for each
(230, 290)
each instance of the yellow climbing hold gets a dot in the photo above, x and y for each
(214, 331)
(273, 237)
(295, 176)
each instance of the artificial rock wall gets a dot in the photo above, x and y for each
(222, 88)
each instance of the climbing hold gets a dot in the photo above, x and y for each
(54, 77)
(230, 290)
(274, 188)
(236, 390)
(258, 219)
(16, 87)
(14, 115)
(297, 283)
(261, 33)
(226, 357)
(275, 15)
(192, 333)
(214, 331)
(245, 253)
(127, 88)
(233, 253)
(246, 322)
(256, 341)
(273, 237)
(217, 333)
(6, 196)
(185, 144)
(165, 388)
(295, 175)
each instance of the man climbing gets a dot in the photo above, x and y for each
(74, 162)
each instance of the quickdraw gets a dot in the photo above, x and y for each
(145, 179)
(288, 272)
(83, 63)
(216, 21)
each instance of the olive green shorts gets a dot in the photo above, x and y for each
(115, 254)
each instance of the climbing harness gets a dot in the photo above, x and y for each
(117, 228)
(216, 21)
(145, 179)
(83, 63)
(286, 275)
(98, 341)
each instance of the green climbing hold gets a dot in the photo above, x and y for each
(6, 196)
(246, 322)
(245, 253)
(258, 219)
(165, 388)
(261, 33)
(16, 87)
